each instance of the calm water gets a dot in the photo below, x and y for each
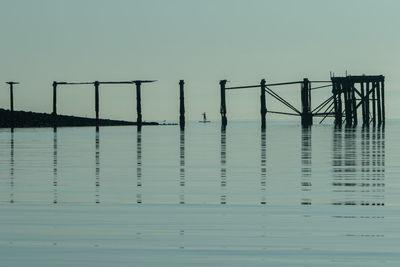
(289, 196)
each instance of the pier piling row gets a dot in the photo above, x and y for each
(352, 92)
(348, 94)
(97, 97)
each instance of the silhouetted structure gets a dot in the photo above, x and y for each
(12, 94)
(331, 107)
(181, 105)
(9, 119)
(97, 96)
(224, 120)
(371, 91)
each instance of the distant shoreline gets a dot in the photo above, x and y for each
(23, 119)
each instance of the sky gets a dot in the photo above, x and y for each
(201, 42)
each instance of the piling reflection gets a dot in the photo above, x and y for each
(55, 170)
(263, 179)
(359, 167)
(12, 166)
(97, 157)
(306, 163)
(223, 167)
(139, 167)
(182, 167)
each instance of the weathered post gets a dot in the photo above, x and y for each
(181, 105)
(347, 103)
(54, 106)
(138, 106)
(335, 101)
(373, 104)
(353, 104)
(363, 106)
(263, 104)
(11, 95)
(96, 99)
(336, 91)
(367, 104)
(306, 115)
(54, 98)
(224, 120)
(378, 102)
(383, 99)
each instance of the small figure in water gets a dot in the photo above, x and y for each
(204, 118)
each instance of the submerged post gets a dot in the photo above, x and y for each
(306, 115)
(224, 120)
(263, 104)
(138, 106)
(96, 99)
(54, 98)
(181, 105)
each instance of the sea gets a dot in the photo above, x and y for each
(286, 196)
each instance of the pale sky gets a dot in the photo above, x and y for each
(200, 41)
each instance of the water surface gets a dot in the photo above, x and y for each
(162, 197)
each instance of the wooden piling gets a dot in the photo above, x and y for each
(383, 100)
(263, 104)
(347, 103)
(353, 104)
(11, 97)
(54, 98)
(96, 99)
(335, 101)
(378, 102)
(224, 120)
(336, 90)
(340, 108)
(367, 119)
(138, 106)
(181, 105)
(363, 106)
(306, 115)
(373, 104)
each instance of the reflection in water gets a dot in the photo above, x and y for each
(223, 167)
(139, 166)
(55, 172)
(359, 179)
(12, 166)
(181, 239)
(306, 169)
(182, 167)
(97, 166)
(263, 181)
